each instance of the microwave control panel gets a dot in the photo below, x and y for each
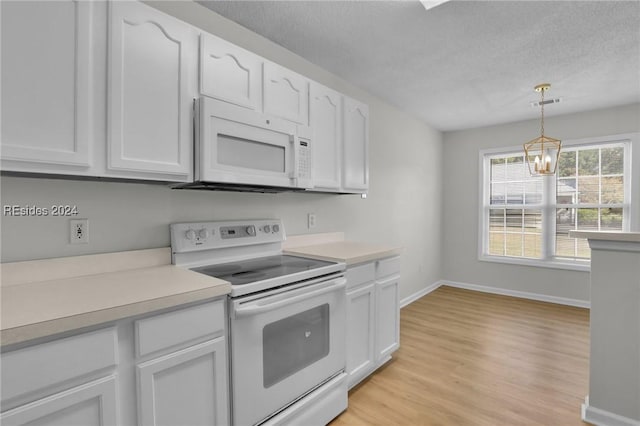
(305, 161)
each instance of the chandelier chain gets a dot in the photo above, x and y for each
(542, 112)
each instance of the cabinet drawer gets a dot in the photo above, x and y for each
(38, 367)
(179, 328)
(360, 274)
(388, 267)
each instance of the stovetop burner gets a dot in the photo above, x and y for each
(259, 269)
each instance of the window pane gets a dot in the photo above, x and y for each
(588, 162)
(514, 220)
(612, 190)
(565, 246)
(533, 221)
(533, 246)
(588, 189)
(567, 163)
(515, 192)
(515, 168)
(533, 191)
(498, 195)
(566, 191)
(611, 219)
(496, 243)
(588, 219)
(497, 169)
(583, 250)
(565, 220)
(513, 244)
(612, 160)
(496, 220)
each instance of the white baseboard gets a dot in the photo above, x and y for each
(521, 294)
(417, 295)
(600, 417)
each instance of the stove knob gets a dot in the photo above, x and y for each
(251, 230)
(276, 228)
(190, 234)
(267, 229)
(203, 233)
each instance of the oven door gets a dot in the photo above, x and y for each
(239, 146)
(283, 346)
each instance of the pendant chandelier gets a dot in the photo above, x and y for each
(542, 152)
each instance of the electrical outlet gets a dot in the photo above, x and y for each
(79, 231)
(311, 220)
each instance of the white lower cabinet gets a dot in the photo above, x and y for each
(163, 369)
(361, 323)
(188, 387)
(373, 316)
(387, 317)
(94, 403)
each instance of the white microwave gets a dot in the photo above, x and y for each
(237, 146)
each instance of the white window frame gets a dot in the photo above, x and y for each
(549, 204)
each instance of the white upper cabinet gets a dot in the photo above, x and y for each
(151, 87)
(286, 94)
(325, 116)
(46, 96)
(230, 73)
(356, 146)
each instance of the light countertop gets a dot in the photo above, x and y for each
(33, 307)
(349, 252)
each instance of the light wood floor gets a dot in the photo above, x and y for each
(470, 358)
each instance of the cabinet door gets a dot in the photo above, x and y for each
(230, 73)
(388, 318)
(188, 387)
(46, 98)
(360, 332)
(325, 116)
(152, 73)
(86, 405)
(286, 94)
(356, 146)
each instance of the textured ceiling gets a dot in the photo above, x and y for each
(463, 64)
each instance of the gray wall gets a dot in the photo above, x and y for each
(402, 208)
(461, 203)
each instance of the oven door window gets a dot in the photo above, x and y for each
(293, 343)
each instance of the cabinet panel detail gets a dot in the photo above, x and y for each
(388, 317)
(150, 96)
(356, 146)
(360, 332)
(179, 327)
(230, 73)
(38, 367)
(46, 90)
(325, 116)
(92, 404)
(188, 387)
(286, 94)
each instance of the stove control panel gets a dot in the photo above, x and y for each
(197, 236)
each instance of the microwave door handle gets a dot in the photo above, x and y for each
(257, 307)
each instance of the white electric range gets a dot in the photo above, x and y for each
(286, 320)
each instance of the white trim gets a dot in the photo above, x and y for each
(571, 265)
(418, 294)
(520, 294)
(598, 416)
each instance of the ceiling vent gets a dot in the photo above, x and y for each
(545, 102)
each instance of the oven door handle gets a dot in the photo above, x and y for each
(260, 306)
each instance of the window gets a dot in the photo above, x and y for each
(527, 219)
